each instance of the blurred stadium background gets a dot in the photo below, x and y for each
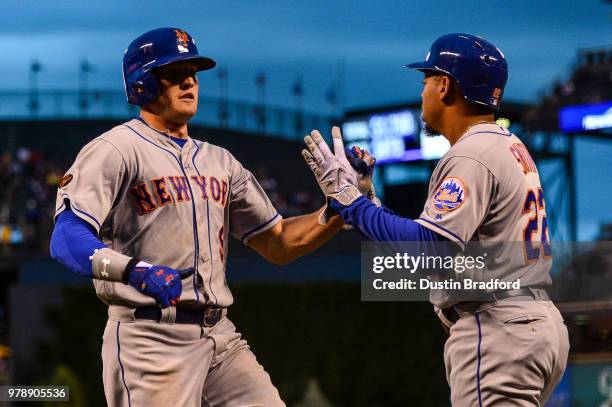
(305, 321)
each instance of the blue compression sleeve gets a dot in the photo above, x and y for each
(380, 224)
(72, 242)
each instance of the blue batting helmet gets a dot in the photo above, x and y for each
(153, 49)
(478, 66)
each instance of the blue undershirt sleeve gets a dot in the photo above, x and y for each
(382, 225)
(72, 243)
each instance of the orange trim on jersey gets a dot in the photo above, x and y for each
(201, 181)
(223, 192)
(214, 181)
(541, 202)
(142, 199)
(179, 183)
(163, 196)
(543, 244)
(542, 207)
(522, 155)
(533, 208)
(518, 158)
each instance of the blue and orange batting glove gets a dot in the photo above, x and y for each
(360, 160)
(159, 282)
(363, 162)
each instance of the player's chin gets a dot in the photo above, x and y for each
(186, 108)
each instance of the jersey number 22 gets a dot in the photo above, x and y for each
(536, 241)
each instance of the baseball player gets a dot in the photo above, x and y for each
(510, 347)
(146, 211)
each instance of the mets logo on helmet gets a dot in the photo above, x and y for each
(451, 194)
(182, 40)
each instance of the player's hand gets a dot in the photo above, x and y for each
(363, 163)
(335, 175)
(159, 282)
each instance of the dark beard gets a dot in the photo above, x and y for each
(429, 132)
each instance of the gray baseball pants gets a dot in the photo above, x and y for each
(506, 353)
(149, 363)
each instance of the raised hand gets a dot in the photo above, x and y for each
(336, 177)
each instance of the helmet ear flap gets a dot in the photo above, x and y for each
(145, 90)
(139, 88)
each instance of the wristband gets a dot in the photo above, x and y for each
(109, 265)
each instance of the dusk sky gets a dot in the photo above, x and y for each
(315, 40)
(288, 39)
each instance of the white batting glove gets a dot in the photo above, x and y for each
(333, 172)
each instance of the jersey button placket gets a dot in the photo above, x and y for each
(202, 229)
(186, 163)
(189, 170)
(185, 160)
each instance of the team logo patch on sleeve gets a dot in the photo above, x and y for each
(451, 194)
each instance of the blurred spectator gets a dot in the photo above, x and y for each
(287, 202)
(30, 180)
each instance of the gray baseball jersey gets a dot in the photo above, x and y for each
(487, 188)
(146, 197)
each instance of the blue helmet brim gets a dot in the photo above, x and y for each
(428, 66)
(420, 65)
(203, 63)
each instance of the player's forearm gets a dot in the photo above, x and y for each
(303, 234)
(294, 237)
